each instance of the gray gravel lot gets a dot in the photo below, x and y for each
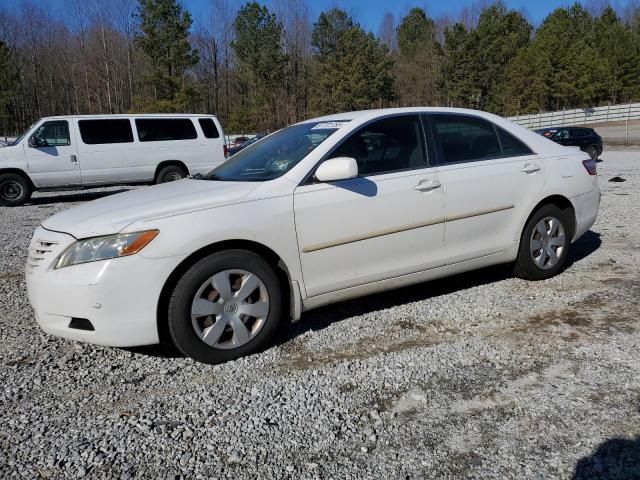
(478, 376)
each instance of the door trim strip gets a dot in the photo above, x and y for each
(403, 228)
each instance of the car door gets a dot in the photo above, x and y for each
(385, 223)
(490, 179)
(51, 154)
(106, 150)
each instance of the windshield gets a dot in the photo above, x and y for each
(21, 136)
(273, 156)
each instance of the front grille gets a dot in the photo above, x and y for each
(40, 253)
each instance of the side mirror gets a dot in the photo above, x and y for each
(32, 142)
(340, 168)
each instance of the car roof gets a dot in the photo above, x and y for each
(129, 115)
(374, 113)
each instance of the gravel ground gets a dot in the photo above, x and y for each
(478, 376)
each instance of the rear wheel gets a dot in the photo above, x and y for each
(544, 244)
(593, 152)
(170, 173)
(14, 189)
(226, 306)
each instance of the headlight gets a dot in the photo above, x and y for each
(103, 248)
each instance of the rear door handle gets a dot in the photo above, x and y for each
(427, 185)
(74, 159)
(530, 168)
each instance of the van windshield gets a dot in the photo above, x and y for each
(21, 136)
(274, 155)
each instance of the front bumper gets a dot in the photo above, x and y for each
(118, 296)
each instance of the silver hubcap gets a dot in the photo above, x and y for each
(547, 243)
(230, 309)
(10, 190)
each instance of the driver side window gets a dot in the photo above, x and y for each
(388, 145)
(52, 134)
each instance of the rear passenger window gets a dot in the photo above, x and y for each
(96, 132)
(463, 138)
(387, 145)
(511, 146)
(164, 129)
(208, 128)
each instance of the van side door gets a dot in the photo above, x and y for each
(51, 154)
(105, 148)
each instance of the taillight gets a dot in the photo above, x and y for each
(590, 165)
(226, 151)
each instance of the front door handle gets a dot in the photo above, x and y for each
(74, 159)
(427, 185)
(530, 168)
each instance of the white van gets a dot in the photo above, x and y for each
(97, 150)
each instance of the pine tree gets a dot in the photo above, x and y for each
(419, 60)
(459, 89)
(353, 69)
(261, 62)
(163, 37)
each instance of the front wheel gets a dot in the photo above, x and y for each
(226, 306)
(544, 244)
(14, 190)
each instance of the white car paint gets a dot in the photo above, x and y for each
(89, 165)
(335, 241)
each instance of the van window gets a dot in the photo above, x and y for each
(463, 138)
(208, 128)
(163, 129)
(511, 146)
(52, 134)
(96, 132)
(387, 145)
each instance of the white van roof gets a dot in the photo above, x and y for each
(130, 115)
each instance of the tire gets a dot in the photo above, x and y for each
(593, 152)
(227, 338)
(15, 189)
(170, 173)
(540, 264)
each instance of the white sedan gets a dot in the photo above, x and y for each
(322, 211)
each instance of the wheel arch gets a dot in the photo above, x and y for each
(260, 249)
(20, 172)
(169, 163)
(559, 201)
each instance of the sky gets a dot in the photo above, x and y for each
(369, 13)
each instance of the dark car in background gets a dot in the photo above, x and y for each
(587, 139)
(236, 148)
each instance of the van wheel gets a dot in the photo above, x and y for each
(226, 306)
(14, 189)
(544, 244)
(170, 173)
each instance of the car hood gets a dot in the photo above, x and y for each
(113, 213)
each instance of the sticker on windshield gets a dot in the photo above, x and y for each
(328, 125)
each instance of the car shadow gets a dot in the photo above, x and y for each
(81, 196)
(614, 459)
(321, 318)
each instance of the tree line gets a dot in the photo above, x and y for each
(260, 69)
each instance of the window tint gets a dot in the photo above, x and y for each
(577, 133)
(52, 134)
(162, 129)
(94, 132)
(463, 138)
(208, 128)
(387, 145)
(511, 146)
